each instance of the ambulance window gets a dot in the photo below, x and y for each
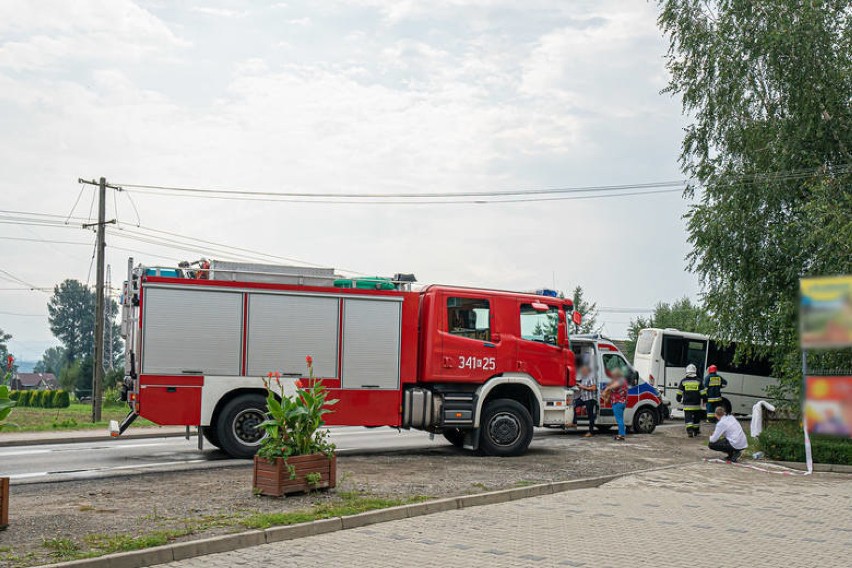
(469, 317)
(611, 362)
(539, 326)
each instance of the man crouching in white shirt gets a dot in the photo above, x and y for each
(728, 437)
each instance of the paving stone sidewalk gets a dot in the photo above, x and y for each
(707, 514)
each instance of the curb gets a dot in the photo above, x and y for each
(818, 467)
(83, 439)
(190, 549)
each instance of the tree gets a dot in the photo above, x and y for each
(767, 87)
(588, 309)
(4, 350)
(71, 312)
(681, 314)
(52, 361)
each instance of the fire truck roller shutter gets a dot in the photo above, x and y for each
(192, 330)
(283, 329)
(371, 343)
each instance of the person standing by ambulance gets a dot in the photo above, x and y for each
(691, 393)
(713, 384)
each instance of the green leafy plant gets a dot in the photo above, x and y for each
(294, 426)
(6, 402)
(788, 444)
(313, 478)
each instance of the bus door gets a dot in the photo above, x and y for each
(677, 353)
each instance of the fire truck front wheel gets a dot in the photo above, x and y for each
(506, 428)
(237, 425)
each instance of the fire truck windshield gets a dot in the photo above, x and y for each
(539, 326)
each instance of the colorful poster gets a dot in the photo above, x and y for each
(825, 312)
(828, 405)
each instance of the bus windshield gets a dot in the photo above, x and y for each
(645, 341)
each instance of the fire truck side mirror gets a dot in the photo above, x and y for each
(561, 334)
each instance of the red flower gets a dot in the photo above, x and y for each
(309, 360)
(300, 384)
(10, 360)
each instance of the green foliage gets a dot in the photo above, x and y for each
(62, 548)
(41, 398)
(681, 314)
(71, 313)
(767, 86)
(4, 349)
(295, 422)
(61, 399)
(52, 361)
(111, 397)
(788, 444)
(588, 309)
(7, 403)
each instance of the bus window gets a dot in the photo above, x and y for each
(673, 353)
(696, 353)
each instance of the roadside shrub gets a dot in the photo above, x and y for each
(24, 398)
(111, 397)
(61, 399)
(14, 395)
(46, 399)
(784, 444)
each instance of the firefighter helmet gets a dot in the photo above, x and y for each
(690, 370)
(712, 369)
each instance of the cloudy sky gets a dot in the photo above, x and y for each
(356, 96)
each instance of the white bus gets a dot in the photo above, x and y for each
(662, 356)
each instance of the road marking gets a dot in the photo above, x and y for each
(26, 475)
(24, 452)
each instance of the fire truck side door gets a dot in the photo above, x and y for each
(468, 350)
(539, 355)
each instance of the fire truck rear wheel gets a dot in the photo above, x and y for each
(455, 436)
(506, 428)
(237, 425)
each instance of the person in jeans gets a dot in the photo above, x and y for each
(616, 391)
(728, 437)
(588, 398)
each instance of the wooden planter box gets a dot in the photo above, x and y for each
(4, 502)
(273, 478)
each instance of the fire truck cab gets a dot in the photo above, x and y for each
(481, 367)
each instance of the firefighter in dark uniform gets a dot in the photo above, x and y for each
(713, 384)
(691, 393)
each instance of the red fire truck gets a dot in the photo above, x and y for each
(481, 367)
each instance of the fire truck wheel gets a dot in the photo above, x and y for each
(209, 433)
(644, 421)
(507, 428)
(237, 425)
(455, 436)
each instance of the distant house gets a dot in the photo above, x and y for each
(34, 381)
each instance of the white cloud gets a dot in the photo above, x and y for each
(54, 33)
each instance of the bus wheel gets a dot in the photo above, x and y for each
(237, 425)
(644, 421)
(507, 428)
(455, 436)
(209, 433)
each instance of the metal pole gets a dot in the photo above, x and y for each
(809, 462)
(97, 381)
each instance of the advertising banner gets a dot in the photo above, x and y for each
(828, 405)
(825, 312)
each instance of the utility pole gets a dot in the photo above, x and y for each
(98, 380)
(100, 249)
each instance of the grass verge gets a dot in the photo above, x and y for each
(76, 417)
(334, 505)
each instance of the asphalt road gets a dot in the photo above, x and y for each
(108, 458)
(118, 457)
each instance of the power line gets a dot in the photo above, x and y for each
(404, 195)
